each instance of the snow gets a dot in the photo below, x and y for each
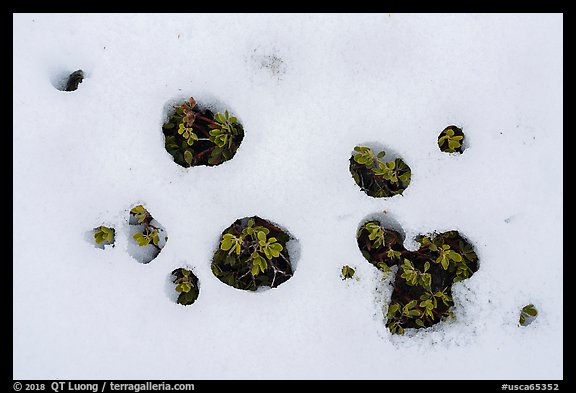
(307, 88)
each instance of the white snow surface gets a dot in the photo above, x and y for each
(307, 88)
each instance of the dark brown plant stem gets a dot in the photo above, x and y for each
(204, 152)
(205, 132)
(204, 118)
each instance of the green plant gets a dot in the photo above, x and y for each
(186, 285)
(103, 233)
(140, 213)
(422, 294)
(347, 272)
(379, 245)
(195, 136)
(413, 276)
(224, 129)
(376, 234)
(527, 315)
(376, 177)
(450, 140)
(150, 234)
(446, 255)
(252, 253)
(254, 238)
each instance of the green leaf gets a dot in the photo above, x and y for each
(347, 272)
(411, 304)
(261, 237)
(452, 144)
(184, 287)
(426, 266)
(530, 310)
(255, 269)
(263, 264)
(445, 263)
(455, 256)
(419, 322)
(228, 240)
(393, 309)
(188, 157)
(138, 209)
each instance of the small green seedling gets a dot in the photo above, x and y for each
(252, 253)
(186, 285)
(141, 214)
(149, 234)
(450, 140)
(527, 315)
(379, 178)
(195, 136)
(347, 272)
(104, 234)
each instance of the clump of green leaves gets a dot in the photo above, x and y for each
(382, 247)
(527, 315)
(186, 285)
(450, 140)
(252, 253)
(104, 234)
(149, 233)
(195, 136)
(347, 272)
(422, 293)
(376, 177)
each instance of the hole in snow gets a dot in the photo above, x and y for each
(422, 294)
(196, 134)
(183, 286)
(254, 253)
(147, 236)
(68, 81)
(528, 314)
(451, 140)
(378, 171)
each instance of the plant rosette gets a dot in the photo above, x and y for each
(104, 236)
(451, 140)
(377, 176)
(252, 253)
(197, 136)
(186, 285)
